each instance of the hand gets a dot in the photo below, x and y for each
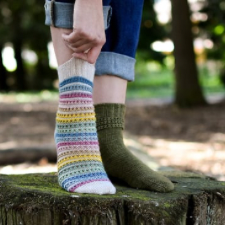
(88, 35)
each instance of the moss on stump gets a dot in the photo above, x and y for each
(36, 199)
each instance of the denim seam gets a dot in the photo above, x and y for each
(60, 14)
(116, 54)
(116, 64)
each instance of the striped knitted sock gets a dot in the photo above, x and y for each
(118, 160)
(80, 167)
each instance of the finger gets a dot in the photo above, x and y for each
(93, 54)
(78, 43)
(80, 56)
(72, 37)
(69, 46)
(74, 46)
(83, 48)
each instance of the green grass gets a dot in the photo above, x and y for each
(155, 81)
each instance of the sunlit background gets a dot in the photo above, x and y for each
(163, 11)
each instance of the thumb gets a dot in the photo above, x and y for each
(83, 56)
(68, 37)
(91, 56)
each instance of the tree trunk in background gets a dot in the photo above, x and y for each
(44, 75)
(3, 73)
(20, 71)
(188, 89)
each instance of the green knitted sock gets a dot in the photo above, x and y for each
(118, 161)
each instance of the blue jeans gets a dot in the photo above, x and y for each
(122, 20)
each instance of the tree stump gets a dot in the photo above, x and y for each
(36, 199)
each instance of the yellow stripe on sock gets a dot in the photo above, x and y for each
(60, 115)
(59, 120)
(62, 163)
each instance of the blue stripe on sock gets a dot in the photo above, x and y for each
(75, 79)
(75, 137)
(58, 140)
(76, 87)
(80, 178)
(75, 134)
(76, 165)
(76, 125)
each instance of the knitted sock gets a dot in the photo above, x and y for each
(117, 159)
(80, 167)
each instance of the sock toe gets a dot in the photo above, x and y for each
(164, 185)
(99, 187)
(169, 186)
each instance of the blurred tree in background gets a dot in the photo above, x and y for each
(22, 26)
(188, 91)
(3, 39)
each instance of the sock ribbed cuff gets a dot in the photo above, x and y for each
(109, 115)
(76, 67)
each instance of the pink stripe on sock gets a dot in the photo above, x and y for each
(86, 182)
(78, 148)
(77, 143)
(75, 95)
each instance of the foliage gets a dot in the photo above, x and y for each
(24, 20)
(153, 80)
(214, 29)
(151, 31)
(23, 26)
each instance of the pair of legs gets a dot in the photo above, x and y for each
(78, 141)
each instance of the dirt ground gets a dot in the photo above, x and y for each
(190, 139)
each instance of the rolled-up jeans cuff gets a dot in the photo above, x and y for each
(111, 63)
(60, 14)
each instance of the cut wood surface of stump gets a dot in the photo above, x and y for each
(36, 199)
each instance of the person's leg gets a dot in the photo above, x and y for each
(115, 67)
(62, 52)
(110, 89)
(80, 167)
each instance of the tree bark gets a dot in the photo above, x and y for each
(20, 71)
(44, 75)
(188, 91)
(3, 74)
(37, 199)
